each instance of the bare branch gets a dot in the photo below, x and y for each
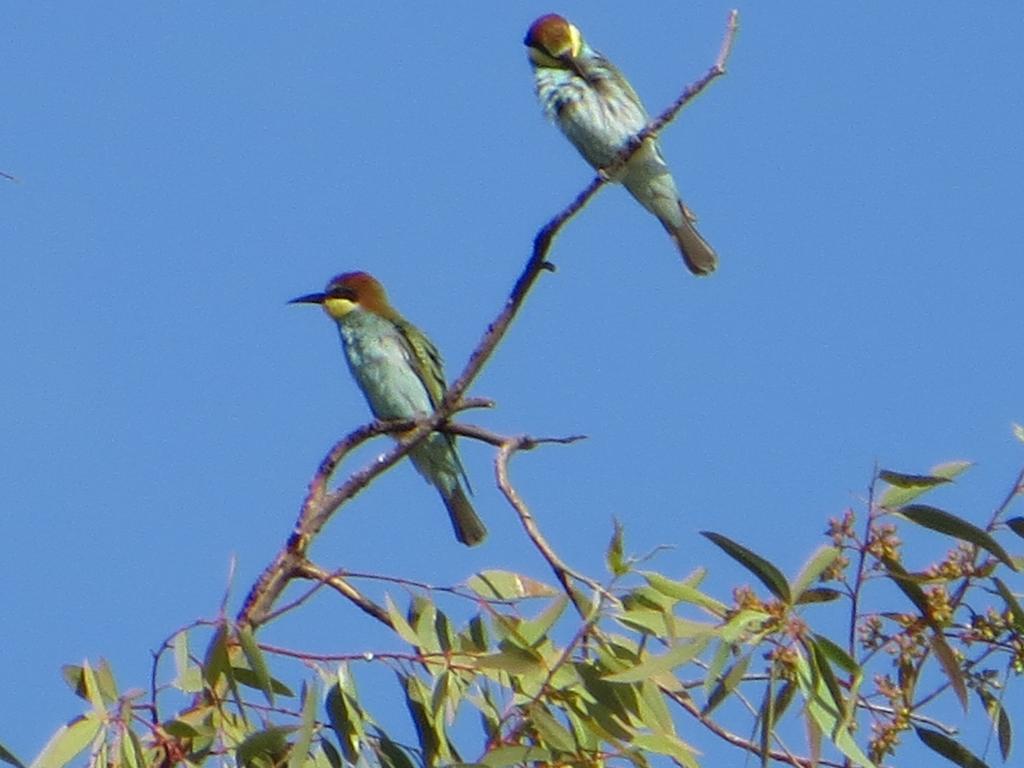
(320, 505)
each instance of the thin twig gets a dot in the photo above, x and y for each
(563, 572)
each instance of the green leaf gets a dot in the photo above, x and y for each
(667, 744)
(1017, 613)
(188, 677)
(8, 757)
(399, 624)
(939, 520)
(515, 755)
(821, 665)
(824, 557)
(943, 653)
(554, 735)
(132, 753)
(68, 741)
(898, 496)
(431, 735)
(1018, 432)
(901, 480)
(1016, 524)
(1004, 731)
(216, 662)
(92, 691)
(948, 748)
(655, 713)
(105, 681)
(391, 755)
(423, 619)
(513, 660)
(266, 748)
(680, 590)
(346, 716)
(257, 662)
(836, 655)
(300, 750)
(947, 660)
(822, 717)
(533, 631)
(614, 556)
(331, 753)
(767, 573)
(247, 678)
(655, 665)
(818, 595)
(505, 585)
(727, 684)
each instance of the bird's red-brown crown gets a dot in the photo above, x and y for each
(361, 288)
(554, 35)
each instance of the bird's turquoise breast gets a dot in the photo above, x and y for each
(382, 365)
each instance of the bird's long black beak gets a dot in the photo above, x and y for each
(310, 298)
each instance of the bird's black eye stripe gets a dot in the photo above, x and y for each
(341, 292)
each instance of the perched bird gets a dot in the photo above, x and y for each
(600, 113)
(401, 376)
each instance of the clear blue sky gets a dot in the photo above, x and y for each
(186, 168)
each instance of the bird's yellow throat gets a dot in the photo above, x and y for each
(338, 307)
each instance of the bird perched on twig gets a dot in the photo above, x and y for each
(400, 373)
(600, 113)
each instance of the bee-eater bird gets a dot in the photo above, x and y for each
(400, 373)
(600, 113)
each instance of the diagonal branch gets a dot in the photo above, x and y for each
(320, 505)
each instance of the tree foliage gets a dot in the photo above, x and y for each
(835, 664)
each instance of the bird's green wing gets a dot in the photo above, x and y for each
(430, 370)
(426, 361)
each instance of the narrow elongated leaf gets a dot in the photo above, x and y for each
(614, 556)
(300, 749)
(836, 655)
(257, 663)
(901, 480)
(950, 666)
(815, 566)
(726, 685)
(898, 496)
(553, 734)
(92, 690)
(399, 624)
(331, 753)
(1004, 732)
(680, 590)
(817, 657)
(533, 631)
(767, 573)
(818, 595)
(516, 755)
(215, 663)
(951, 525)
(505, 585)
(943, 653)
(267, 747)
(1017, 613)
(247, 678)
(948, 748)
(391, 755)
(667, 744)
(655, 665)
(68, 741)
(822, 718)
